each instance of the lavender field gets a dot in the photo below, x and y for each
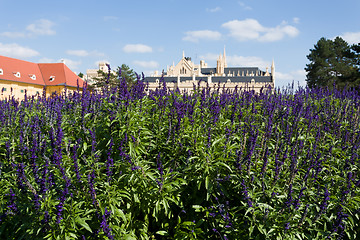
(123, 164)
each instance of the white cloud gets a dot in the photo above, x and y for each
(83, 53)
(244, 6)
(351, 37)
(235, 60)
(296, 20)
(41, 27)
(250, 61)
(79, 53)
(46, 60)
(13, 34)
(251, 29)
(17, 51)
(212, 10)
(70, 63)
(195, 36)
(137, 48)
(284, 79)
(110, 18)
(146, 64)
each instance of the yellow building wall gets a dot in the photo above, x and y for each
(17, 89)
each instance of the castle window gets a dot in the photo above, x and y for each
(22, 90)
(157, 80)
(17, 74)
(3, 89)
(1, 71)
(52, 78)
(228, 81)
(252, 81)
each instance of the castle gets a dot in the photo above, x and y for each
(185, 74)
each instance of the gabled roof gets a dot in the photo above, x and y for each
(55, 74)
(20, 71)
(45, 74)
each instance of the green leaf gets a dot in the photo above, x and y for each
(83, 223)
(162, 233)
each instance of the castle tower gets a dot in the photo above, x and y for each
(220, 65)
(273, 70)
(225, 63)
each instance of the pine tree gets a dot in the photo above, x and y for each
(333, 62)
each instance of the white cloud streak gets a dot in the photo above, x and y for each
(146, 64)
(84, 53)
(13, 34)
(17, 51)
(351, 37)
(244, 6)
(137, 48)
(41, 27)
(195, 36)
(110, 18)
(284, 79)
(71, 63)
(212, 10)
(251, 29)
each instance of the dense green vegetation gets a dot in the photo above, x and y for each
(122, 164)
(334, 63)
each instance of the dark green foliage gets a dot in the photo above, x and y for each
(333, 62)
(112, 80)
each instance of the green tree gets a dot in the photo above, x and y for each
(128, 74)
(333, 62)
(112, 79)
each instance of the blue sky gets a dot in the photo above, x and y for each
(149, 35)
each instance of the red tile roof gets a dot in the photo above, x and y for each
(45, 74)
(20, 71)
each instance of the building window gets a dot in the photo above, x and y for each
(3, 89)
(32, 76)
(52, 78)
(22, 90)
(229, 81)
(1, 71)
(252, 81)
(157, 81)
(17, 74)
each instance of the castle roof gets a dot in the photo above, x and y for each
(45, 74)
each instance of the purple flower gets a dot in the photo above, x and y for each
(110, 161)
(296, 203)
(287, 226)
(11, 203)
(104, 224)
(324, 203)
(289, 198)
(246, 194)
(91, 178)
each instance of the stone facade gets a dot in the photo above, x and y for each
(92, 74)
(186, 74)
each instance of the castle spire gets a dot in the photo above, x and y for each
(273, 70)
(183, 54)
(225, 63)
